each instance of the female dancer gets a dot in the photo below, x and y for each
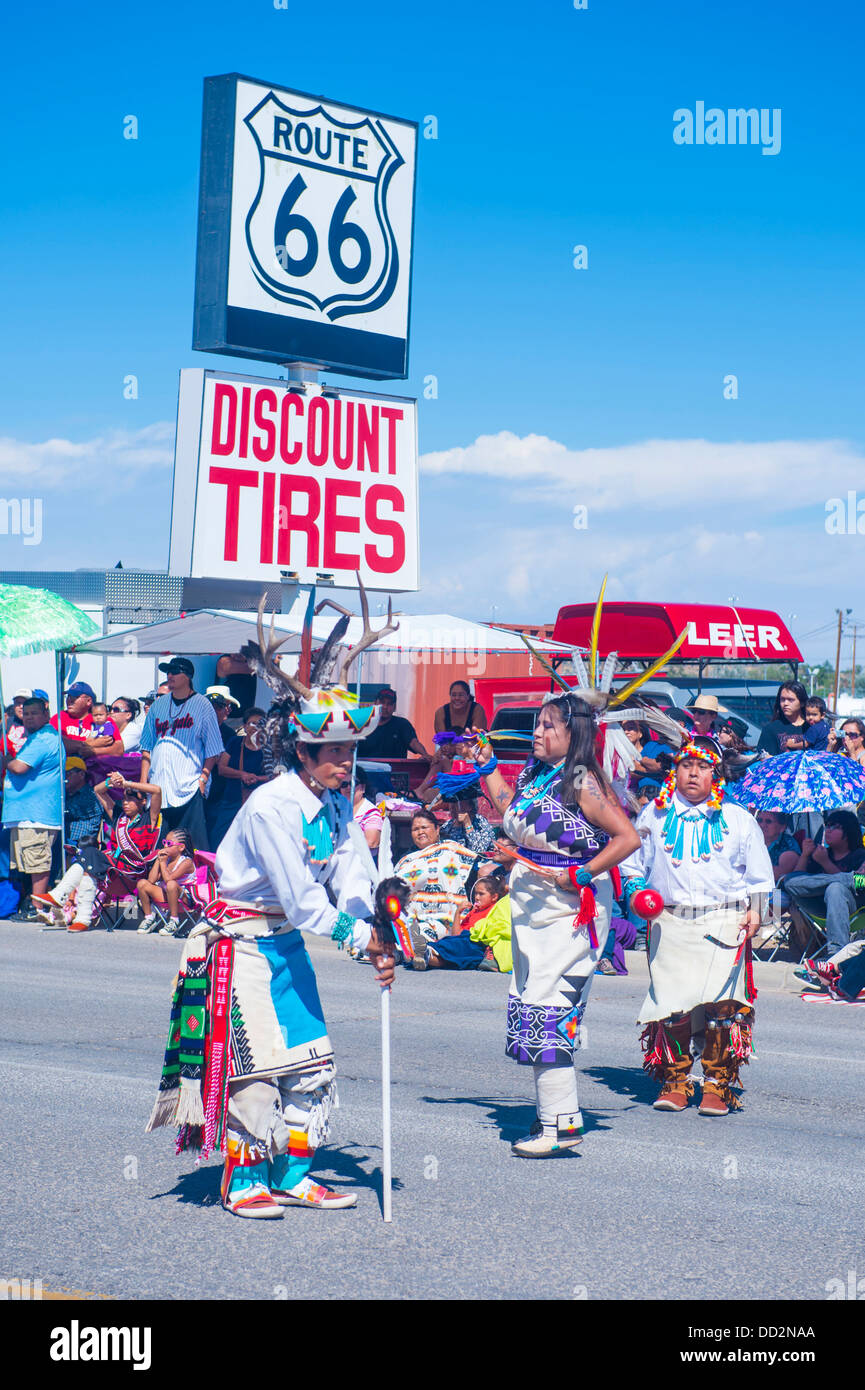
(570, 830)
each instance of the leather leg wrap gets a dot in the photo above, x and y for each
(668, 1057)
(728, 1047)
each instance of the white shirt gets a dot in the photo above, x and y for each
(130, 737)
(263, 859)
(739, 867)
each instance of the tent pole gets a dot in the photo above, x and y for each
(59, 666)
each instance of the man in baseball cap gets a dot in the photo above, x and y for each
(75, 722)
(180, 744)
(178, 666)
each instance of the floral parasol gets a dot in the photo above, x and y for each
(800, 782)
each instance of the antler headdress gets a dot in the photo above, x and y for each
(318, 710)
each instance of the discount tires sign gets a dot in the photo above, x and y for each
(305, 230)
(270, 478)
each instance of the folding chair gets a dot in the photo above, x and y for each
(814, 912)
(195, 896)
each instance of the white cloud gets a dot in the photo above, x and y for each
(660, 474)
(108, 463)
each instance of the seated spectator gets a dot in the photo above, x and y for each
(465, 825)
(366, 813)
(647, 789)
(788, 718)
(461, 712)
(732, 734)
(241, 768)
(172, 871)
(83, 809)
(814, 738)
(480, 938)
(782, 845)
(130, 848)
(437, 875)
(826, 871)
(31, 798)
(128, 720)
(394, 737)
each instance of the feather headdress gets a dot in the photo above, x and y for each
(598, 693)
(311, 705)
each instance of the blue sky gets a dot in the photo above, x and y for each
(557, 387)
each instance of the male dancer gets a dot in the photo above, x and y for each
(708, 860)
(254, 1074)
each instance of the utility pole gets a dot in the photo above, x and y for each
(853, 672)
(840, 613)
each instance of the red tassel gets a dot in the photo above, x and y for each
(750, 987)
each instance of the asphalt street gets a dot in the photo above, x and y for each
(764, 1204)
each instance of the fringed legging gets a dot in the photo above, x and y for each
(281, 1116)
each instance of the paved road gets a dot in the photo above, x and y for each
(766, 1204)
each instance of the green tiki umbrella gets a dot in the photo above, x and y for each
(35, 620)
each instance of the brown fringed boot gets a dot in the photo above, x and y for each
(728, 1047)
(668, 1058)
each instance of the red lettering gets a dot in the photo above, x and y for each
(367, 436)
(233, 479)
(264, 447)
(334, 523)
(223, 395)
(243, 442)
(383, 526)
(267, 508)
(304, 522)
(290, 401)
(391, 414)
(318, 420)
(343, 460)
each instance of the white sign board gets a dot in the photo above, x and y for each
(269, 479)
(305, 230)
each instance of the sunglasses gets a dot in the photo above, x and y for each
(853, 735)
(117, 709)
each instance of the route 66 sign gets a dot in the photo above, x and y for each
(305, 230)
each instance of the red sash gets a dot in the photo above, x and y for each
(217, 1056)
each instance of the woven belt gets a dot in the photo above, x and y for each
(680, 910)
(548, 859)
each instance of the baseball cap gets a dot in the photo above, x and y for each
(80, 688)
(221, 695)
(23, 693)
(40, 695)
(178, 666)
(386, 691)
(76, 762)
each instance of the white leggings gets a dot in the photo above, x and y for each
(76, 880)
(556, 1091)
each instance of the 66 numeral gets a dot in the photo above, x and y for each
(339, 232)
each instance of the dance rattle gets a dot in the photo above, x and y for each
(647, 904)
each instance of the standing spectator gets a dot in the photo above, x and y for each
(461, 712)
(224, 706)
(788, 717)
(395, 737)
(15, 731)
(31, 797)
(180, 744)
(241, 767)
(704, 712)
(234, 675)
(732, 734)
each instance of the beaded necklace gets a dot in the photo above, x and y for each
(536, 785)
(704, 839)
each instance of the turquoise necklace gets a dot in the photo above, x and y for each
(536, 786)
(705, 837)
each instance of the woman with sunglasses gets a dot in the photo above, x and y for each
(853, 740)
(126, 714)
